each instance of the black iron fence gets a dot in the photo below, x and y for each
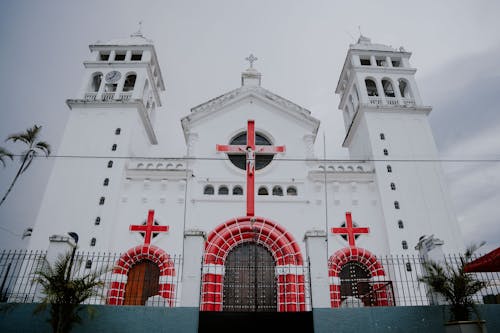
(287, 287)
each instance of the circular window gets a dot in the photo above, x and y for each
(261, 160)
(154, 234)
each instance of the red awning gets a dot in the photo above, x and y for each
(490, 262)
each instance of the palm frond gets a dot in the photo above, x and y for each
(5, 153)
(44, 147)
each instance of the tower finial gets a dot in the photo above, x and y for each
(138, 33)
(251, 59)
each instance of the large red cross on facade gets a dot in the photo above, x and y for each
(149, 228)
(250, 150)
(350, 231)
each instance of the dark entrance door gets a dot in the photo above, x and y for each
(354, 282)
(249, 280)
(142, 282)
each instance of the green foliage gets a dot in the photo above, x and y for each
(454, 284)
(3, 154)
(64, 293)
(33, 149)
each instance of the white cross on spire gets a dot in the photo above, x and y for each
(251, 59)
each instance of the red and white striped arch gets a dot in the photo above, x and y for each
(285, 250)
(116, 294)
(365, 257)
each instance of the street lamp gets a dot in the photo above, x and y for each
(73, 235)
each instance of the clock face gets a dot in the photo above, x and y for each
(113, 76)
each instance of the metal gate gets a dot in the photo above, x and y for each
(355, 284)
(249, 280)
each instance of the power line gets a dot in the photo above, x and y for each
(319, 160)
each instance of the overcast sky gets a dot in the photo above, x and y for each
(301, 46)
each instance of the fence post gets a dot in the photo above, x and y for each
(318, 261)
(191, 274)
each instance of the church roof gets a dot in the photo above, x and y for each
(135, 39)
(365, 44)
(205, 109)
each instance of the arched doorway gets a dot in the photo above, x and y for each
(355, 285)
(249, 280)
(142, 282)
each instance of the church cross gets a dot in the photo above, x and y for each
(250, 150)
(149, 228)
(350, 231)
(251, 59)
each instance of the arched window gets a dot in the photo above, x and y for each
(388, 88)
(408, 267)
(92, 241)
(404, 244)
(118, 131)
(389, 168)
(129, 82)
(393, 186)
(101, 201)
(371, 87)
(396, 204)
(277, 190)
(110, 164)
(95, 83)
(291, 190)
(386, 152)
(223, 190)
(382, 136)
(88, 264)
(106, 182)
(404, 89)
(400, 224)
(97, 220)
(208, 190)
(237, 190)
(263, 191)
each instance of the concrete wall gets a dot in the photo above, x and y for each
(429, 319)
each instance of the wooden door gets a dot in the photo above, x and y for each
(142, 282)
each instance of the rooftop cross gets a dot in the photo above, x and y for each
(251, 59)
(149, 228)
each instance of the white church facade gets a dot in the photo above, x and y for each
(248, 186)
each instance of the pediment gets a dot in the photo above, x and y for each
(210, 108)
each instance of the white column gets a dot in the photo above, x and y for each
(191, 275)
(318, 266)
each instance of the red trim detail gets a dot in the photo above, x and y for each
(149, 228)
(363, 256)
(116, 293)
(350, 231)
(285, 250)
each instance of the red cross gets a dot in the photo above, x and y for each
(250, 150)
(149, 228)
(349, 230)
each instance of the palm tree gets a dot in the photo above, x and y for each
(456, 285)
(65, 293)
(35, 147)
(4, 153)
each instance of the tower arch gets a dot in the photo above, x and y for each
(290, 270)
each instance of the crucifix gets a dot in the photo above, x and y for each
(250, 150)
(149, 228)
(251, 59)
(350, 231)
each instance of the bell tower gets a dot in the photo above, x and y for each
(387, 123)
(111, 119)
